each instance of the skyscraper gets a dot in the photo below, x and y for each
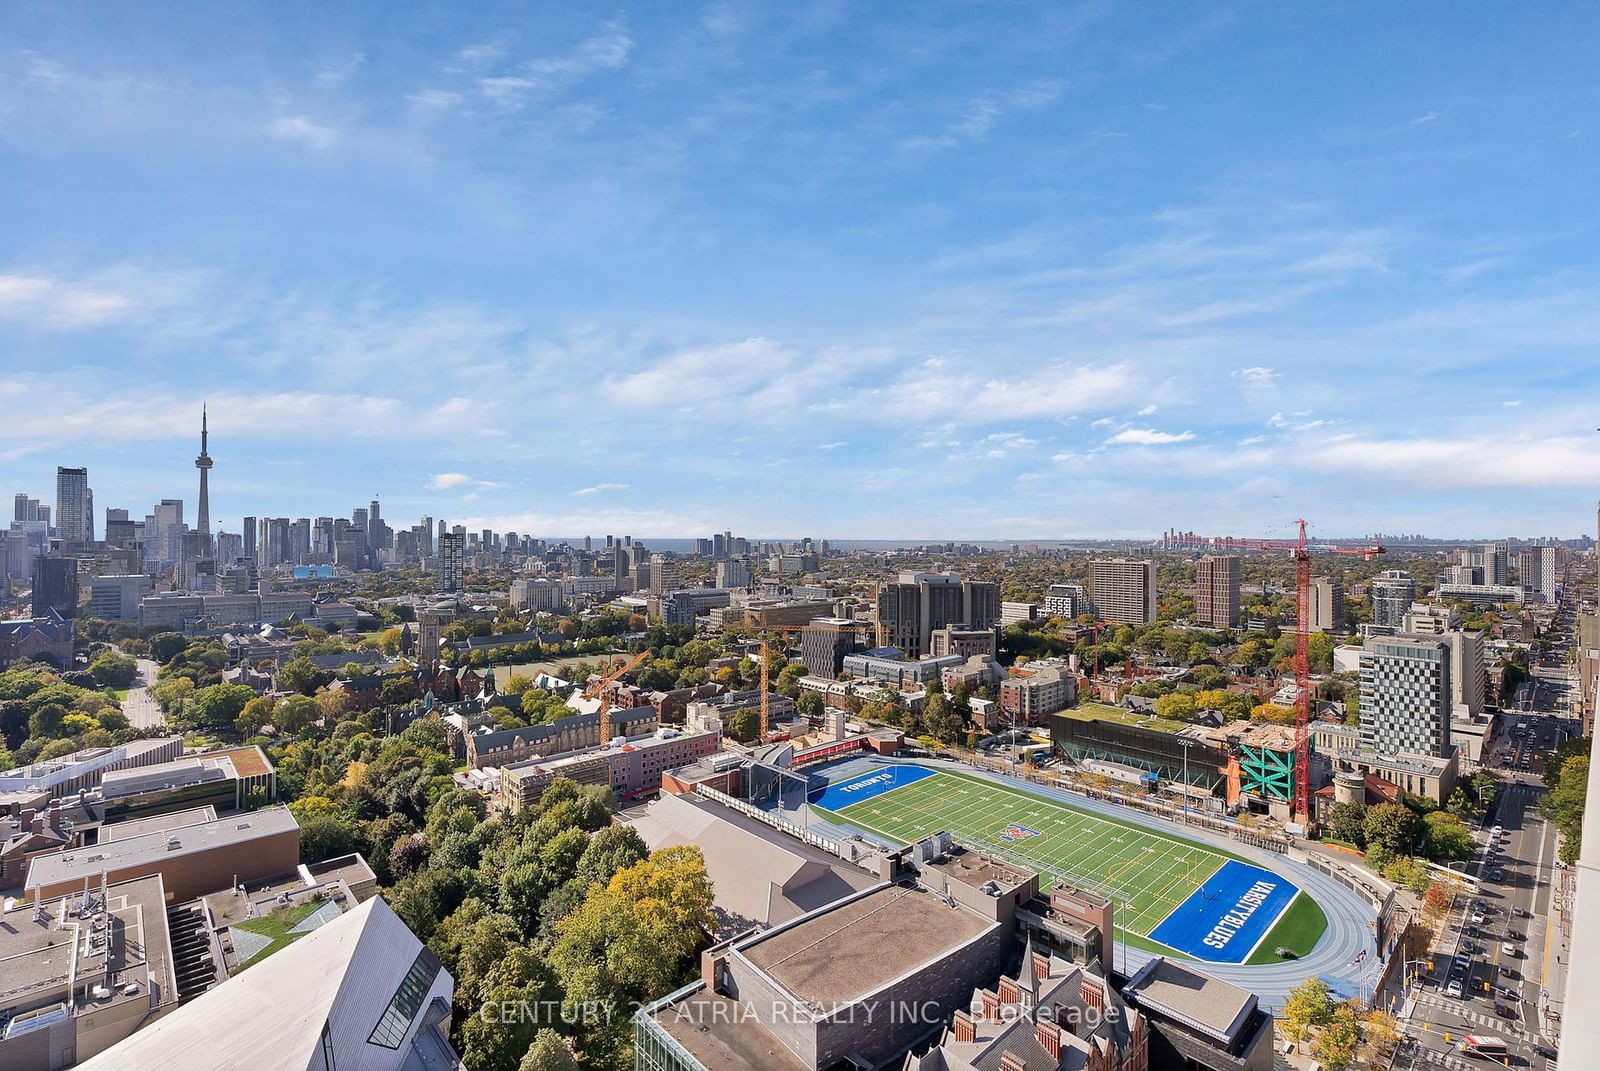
(1124, 591)
(1216, 591)
(202, 521)
(1393, 592)
(250, 538)
(452, 560)
(72, 505)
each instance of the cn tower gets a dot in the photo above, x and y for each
(203, 463)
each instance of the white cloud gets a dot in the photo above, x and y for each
(834, 445)
(601, 488)
(1149, 437)
(51, 303)
(1512, 404)
(1556, 461)
(1257, 376)
(298, 128)
(1147, 410)
(446, 481)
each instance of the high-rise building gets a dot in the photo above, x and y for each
(664, 575)
(202, 521)
(1550, 572)
(733, 573)
(1496, 564)
(1393, 592)
(910, 608)
(55, 586)
(1405, 695)
(1327, 605)
(452, 561)
(1216, 591)
(74, 523)
(250, 538)
(25, 510)
(1124, 591)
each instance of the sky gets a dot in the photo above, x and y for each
(945, 270)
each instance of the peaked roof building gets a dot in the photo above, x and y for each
(361, 992)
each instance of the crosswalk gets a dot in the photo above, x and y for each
(1502, 1027)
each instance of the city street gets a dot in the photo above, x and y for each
(141, 710)
(1507, 945)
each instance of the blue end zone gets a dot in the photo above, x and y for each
(859, 789)
(1224, 919)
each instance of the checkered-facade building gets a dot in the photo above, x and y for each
(1405, 696)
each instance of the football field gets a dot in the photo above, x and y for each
(1182, 897)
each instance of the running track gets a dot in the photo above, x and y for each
(1350, 917)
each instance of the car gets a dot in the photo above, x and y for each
(1497, 874)
(1453, 989)
(1510, 950)
(1472, 931)
(1505, 1011)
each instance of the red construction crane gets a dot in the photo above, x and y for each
(1302, 551)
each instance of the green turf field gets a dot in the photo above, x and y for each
(1155, 871)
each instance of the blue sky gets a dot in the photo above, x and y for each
(984, 270)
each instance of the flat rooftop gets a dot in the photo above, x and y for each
(247, 761)
(117, 855)
(1106, 712)
(40, 960)
(1197, 1000)
(850, 951)
(974, 869)
(156, 823)
(723, 1035)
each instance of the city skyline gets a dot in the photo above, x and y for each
(773, 268)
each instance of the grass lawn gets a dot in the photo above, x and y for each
(1297, 929)
(119, 694)
(276, 926)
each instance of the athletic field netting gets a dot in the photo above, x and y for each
(1182, 896)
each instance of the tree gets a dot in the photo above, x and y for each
(254, 715)
(940, 721)
(397, 691)
(1340, 1040)
(1178, 705)
(1346, 822)
(408, 855)
(1271, 712)
(1232, 705)
(113, 670)
(301, 675)
(811, 705)
(1393, 828)
(1436, 901)
(519, 981)
(325, 836)
(1563, 805)
(295, 713)
(1447, 837)
(1380, 1036)
(1309, 1005)
(548, 1053)
(744, 724)
(632, 939)
(164, 645)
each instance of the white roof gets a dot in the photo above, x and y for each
(270, 1017)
